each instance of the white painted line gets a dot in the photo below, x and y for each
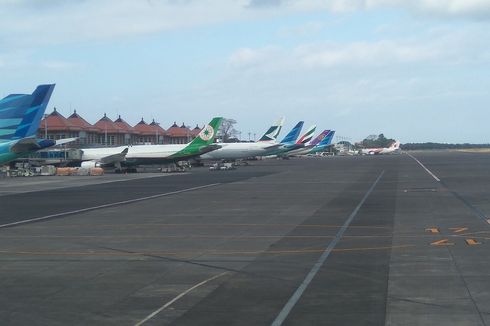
(426, 169)
(281, 317)
(156, 312)
(129, 201)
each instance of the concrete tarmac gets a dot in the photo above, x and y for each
(373, 240)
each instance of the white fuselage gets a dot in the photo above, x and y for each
(234, 151)
(134, 152)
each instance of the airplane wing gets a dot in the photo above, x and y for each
(25, 145)
(209, 148)
(65, 141)
(114, 158)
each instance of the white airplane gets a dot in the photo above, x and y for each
(235, 151)
(266, 146)
(319, 144)
(153, 154)
(395, 146)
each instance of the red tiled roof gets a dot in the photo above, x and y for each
(106, 124)
(196, 131)
(176, 131)
(156, 128)
(56, 121)
(125, 126)
(81, 123)
(143, 128)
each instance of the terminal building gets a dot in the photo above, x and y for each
(106, 132)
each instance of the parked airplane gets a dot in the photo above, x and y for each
(319, 139)
(235, 151)
(273, 132)
(20, 116)
(266, 145)
(323, 144)
(300, 143)
(395, 146)
(153, 154)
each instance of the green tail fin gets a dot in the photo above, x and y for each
(203, 140)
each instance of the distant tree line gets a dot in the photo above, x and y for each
(373, 141)
(422, 146)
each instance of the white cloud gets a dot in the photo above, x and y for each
(478, 9)
(62, 21)
(436, 47)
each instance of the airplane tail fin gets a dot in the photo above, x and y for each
(395, 145)
(319, 138)
(203, 140)
(327, 140)
(307, 136)
(21, 114)
(293, 134)
(273, 131)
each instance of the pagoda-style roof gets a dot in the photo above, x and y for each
(107, 125)
(176, 131)
(76, 120)
(57, 122)
(125, 126)
(196, 131)
(156, 128)
(143, 128)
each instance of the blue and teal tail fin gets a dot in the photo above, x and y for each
(327, 140)
(293, 134)
(21, 114)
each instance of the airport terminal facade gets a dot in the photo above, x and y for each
(108, 132)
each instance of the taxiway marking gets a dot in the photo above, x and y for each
(88, 209)
(426, 169)
(166, 305)
(283, 314)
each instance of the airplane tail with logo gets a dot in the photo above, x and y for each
(307, 136)
(293, 134)
(319, 138)
(21, 114)
(273, 131)
(327, 140)
(203, 143)
(395, 145)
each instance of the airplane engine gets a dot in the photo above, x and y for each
(89, 164)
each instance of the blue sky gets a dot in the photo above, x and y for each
(413, 70)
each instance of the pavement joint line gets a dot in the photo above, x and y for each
(62, 185)
(424, 167)
(88, 209)
(169, 303)
(476, 211)
(202, 253)
(283, 314)
(214, 225)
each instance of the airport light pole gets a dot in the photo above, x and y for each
(45, 126)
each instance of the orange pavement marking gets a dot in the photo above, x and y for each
(472, 242)
(432, 230)
(458, 230)
(443, 242)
